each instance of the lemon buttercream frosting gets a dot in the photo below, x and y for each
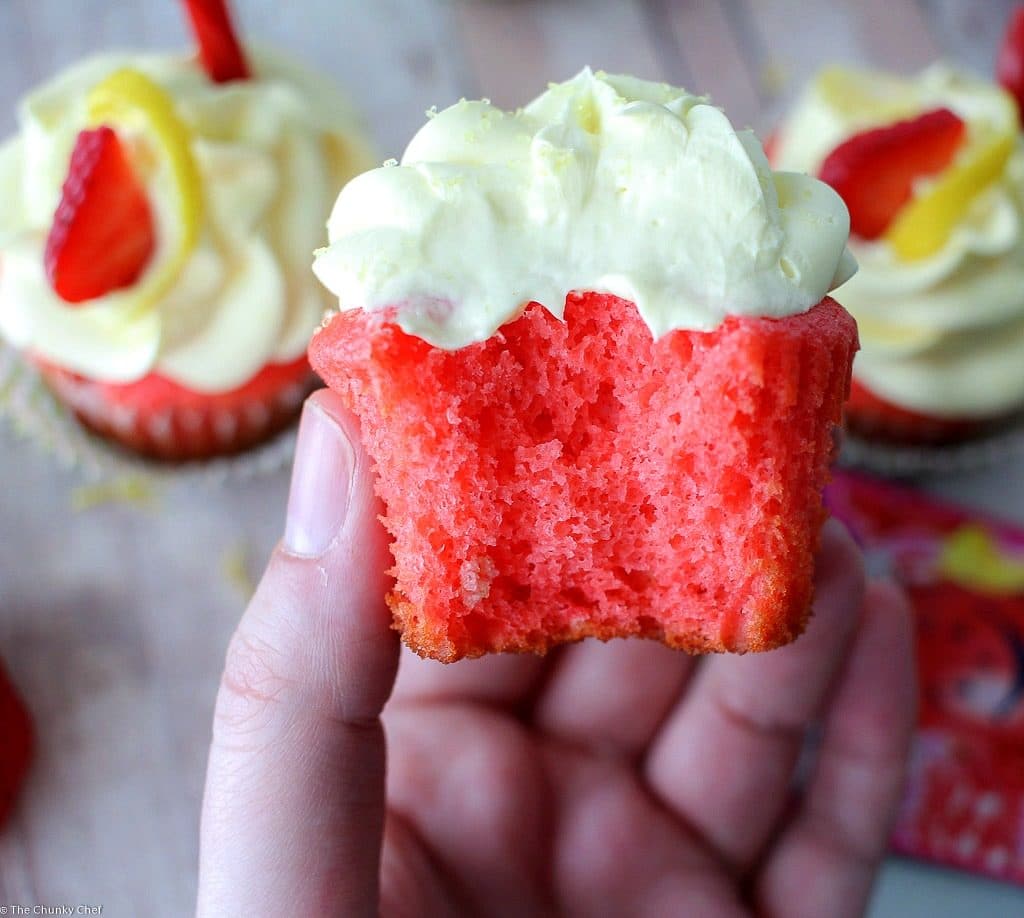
(604, 183)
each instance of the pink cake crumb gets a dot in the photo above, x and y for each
(571, 479)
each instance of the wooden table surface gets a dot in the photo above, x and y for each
(114, 619)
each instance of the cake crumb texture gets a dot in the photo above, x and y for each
(571, 479)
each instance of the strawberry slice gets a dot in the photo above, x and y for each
(17, 746)
(1010, 62)
(874, 171)
(103, 234)
(219, 50)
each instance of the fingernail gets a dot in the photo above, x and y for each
(321, 484)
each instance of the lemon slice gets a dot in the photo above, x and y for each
(926, 223)
(129, 98)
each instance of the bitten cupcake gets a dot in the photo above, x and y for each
(591, 350)
(160, 212)
(932, 170)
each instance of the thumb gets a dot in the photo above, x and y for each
(294, 805)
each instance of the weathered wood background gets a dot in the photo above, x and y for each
(114, 619)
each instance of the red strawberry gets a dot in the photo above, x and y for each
(102, 234)
(1010, 63)
(219, 50)
(16, 748)
(874, 171)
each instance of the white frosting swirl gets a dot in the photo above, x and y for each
(604, 183)
(943, 335)
(270, 152)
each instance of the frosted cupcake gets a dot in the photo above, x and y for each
(932, 170)
(160, 215)
(595, 363)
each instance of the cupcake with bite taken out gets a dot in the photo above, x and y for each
(932, 170)
(595, 364)
(160, 214)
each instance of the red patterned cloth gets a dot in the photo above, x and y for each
(964, 572)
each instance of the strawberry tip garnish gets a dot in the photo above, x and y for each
(103, 234)
(874, 171)
(220, 52)
(18, 747)
(1010, 62)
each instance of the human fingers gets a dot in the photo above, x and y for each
(826, 859)
(501, 680)
(613, 695)
(725, 757)
(616, 851)
(468, 781)
(294, 804)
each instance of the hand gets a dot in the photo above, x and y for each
(607, 779)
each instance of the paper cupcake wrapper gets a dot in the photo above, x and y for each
(33, 413)
(896, 461)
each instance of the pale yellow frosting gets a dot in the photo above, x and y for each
(605, 183)
(943, 335)
(270, 152)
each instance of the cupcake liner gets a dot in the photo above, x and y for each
(32, 412)
(164, 428)
(875, 419)
(906, 461)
